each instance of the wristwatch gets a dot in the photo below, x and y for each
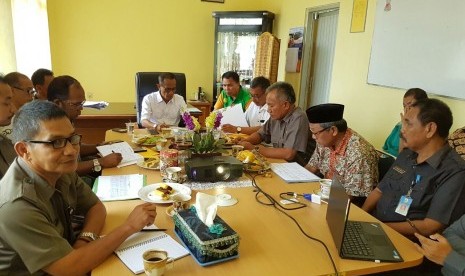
(238, 129)
(88, 236)
(97, 167)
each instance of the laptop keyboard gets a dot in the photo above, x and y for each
(354, 240)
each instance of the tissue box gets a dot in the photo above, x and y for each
(207, 248)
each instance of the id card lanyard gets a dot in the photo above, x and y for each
(406, 201)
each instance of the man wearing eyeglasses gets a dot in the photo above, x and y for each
(162, 108)
(256, 114)
(40, 193)
(342, 152)
(7, 111)
(287, 128)
(23, 92)
(67, 93)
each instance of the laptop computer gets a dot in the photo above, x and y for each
(356, 239)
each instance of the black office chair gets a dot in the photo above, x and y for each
(146, 83)
(385, 161)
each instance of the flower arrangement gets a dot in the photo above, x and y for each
(204, 142)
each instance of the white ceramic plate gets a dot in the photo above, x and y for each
(147, 193)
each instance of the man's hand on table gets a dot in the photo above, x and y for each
(111, 160)
(229, 128)
(246, 145)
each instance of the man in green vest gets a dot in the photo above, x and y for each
(232, 92)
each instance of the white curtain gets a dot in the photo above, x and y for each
(28, 45)
(236, 52)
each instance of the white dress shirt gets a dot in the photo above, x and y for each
(158, 112)
(256, 115)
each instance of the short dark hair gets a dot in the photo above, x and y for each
(436, 111)
(261, 82)
(284, 91)
(416, 93)
(231, 75)
(38, 77)
(164, 76)
(13, 78)
(59, 88)
(26, 124)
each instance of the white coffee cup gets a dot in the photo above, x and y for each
(156, 261)
(173, 174)
(325, 188)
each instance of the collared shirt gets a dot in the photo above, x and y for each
(439, 194)
(257, 115)
(457, 141)
(243, 98)
(391, 145)
(7, 154)
(31, 228)
(290, 132)
(454, 264)
(355, 161)
(157, 111)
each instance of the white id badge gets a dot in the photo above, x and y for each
(404, 205)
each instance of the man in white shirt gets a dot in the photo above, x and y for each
(163, 107)
(257, 112)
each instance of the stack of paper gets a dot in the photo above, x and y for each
(293, 172)
(129, 157)
(118, 187)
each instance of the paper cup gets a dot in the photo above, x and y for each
(325, 188)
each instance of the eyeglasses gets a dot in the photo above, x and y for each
(169, 90)
(320, 131)
(30, 91)
(76, 104)
(59, 143)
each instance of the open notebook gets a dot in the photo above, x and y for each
(131, 250)
(293, 172)
(129, 157)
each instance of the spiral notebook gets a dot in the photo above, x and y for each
(131, 250)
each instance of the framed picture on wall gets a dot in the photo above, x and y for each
(216, 1)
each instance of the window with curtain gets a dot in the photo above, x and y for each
(27, 44)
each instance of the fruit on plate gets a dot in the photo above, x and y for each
(164, 191)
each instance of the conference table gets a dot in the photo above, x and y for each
(270, 242)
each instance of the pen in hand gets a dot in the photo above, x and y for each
(152, 230)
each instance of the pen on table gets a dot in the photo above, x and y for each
(153, 230)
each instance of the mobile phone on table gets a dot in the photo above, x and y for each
(139, 149)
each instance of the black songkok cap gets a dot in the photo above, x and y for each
(325, 113)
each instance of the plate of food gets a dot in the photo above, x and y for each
(163, 192)
(147, 140)
(150, 163)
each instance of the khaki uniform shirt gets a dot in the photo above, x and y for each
(7, 154)
(290, 132)
(31, 228)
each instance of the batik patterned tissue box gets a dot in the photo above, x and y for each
(208, 245)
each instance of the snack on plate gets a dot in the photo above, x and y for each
(233, 138)
(246, 156)
(164, 191)
(151, 162)
(147, 140)
(253, 161)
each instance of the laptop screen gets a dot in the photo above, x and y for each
(337, 212)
